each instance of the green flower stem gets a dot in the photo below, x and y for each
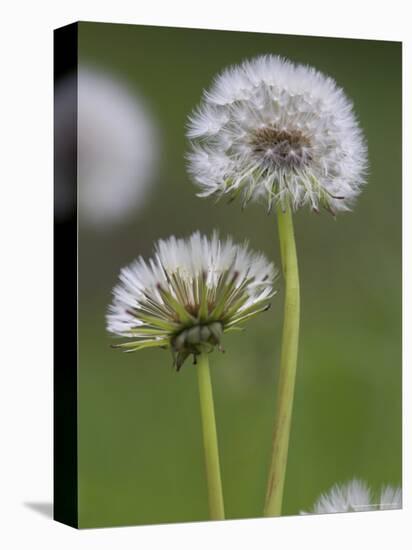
(288, 362)
(214, 483)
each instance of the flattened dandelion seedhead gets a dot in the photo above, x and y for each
(275, 131)
(190, 294)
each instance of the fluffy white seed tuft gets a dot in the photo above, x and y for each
(356, 496)
(270, 129)
(190, 293)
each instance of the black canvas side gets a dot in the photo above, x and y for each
(65, 278)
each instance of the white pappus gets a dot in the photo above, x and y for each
(274, 130)
(190, 293)
(356, 496)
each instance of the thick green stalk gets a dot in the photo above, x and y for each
(288, 362)
(214, 483)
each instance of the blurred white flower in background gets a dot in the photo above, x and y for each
(356, 496)
(118, 148)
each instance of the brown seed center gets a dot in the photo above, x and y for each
(284, 148)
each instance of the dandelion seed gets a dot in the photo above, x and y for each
(191, 293)
(269, 129)
(356, 496)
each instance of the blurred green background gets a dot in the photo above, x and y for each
(140, 441)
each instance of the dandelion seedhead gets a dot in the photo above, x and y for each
(192, 292)
(356, 496)
(117, 143)
(269, 129)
